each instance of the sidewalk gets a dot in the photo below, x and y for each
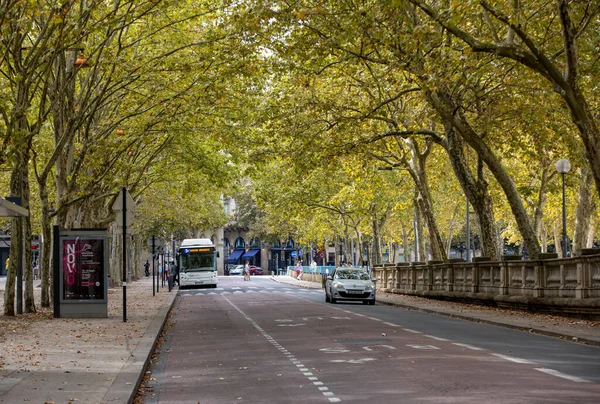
(48, 360)
(582, 331)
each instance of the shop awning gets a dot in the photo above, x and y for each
(250, 254)
(234, 256)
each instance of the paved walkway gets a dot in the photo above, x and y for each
(47, 360)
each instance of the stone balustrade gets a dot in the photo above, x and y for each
(548, 281)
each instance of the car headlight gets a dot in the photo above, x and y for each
(338, 286)
(369, 288)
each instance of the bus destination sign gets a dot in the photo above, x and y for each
(197, 250)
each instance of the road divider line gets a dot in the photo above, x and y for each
(331, 397)
(562, 375)
(391, 324)
(435, 338)
(474, 348)
(512, 359)
(413, 331)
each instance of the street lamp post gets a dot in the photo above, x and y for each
(563, 166)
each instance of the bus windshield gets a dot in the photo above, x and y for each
(198, 262)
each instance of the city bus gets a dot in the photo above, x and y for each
(197, 263)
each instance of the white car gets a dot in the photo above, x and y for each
(350, 284)
(236, 270)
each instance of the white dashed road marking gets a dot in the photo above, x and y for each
(562, 375)
(474, 348)
(423, 346)
(324, 389)
(435, 338)
(355, 361)
(510, 358)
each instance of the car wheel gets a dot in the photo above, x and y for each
(326, 298)
(332, 300)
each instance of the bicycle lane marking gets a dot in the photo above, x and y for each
(303, 369)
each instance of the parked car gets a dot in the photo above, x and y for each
(236, 270)
(350, 284)
(254, 270)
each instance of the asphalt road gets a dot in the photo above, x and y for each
(265, 342)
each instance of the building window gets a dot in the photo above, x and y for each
(255, 242)
(239, 243)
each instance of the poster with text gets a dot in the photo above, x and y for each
(83, 269)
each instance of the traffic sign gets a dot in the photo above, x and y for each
(129, 217)
(157, 242)
(118, 204)
(294, 253)
(129, 209)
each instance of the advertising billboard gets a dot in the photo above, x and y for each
(83, 269)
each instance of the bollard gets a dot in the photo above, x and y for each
(170, 282)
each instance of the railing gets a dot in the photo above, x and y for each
(572, 278)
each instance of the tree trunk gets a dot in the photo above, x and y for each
(62, 96)
(359, 245)
(590, 236)
(420, 252)
(476, 190)
(544, 237)
(376, 242)
(557, 234)
(45, 268)
(115, 258)
(418, 173)
(538, 210)
(11, 271)
(16, 239)
(450, 111)
(405, 254)
(451, 228)
(585, 209)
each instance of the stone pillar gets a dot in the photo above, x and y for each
(220, 247)
(476, 273)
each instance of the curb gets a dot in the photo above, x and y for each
(126, 384)
(566, 337)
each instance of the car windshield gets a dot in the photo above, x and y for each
(350, 274)
(198, 262)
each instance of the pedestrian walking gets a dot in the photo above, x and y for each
(313, 267)
(147, 268)
(36, 269)
(299, 270)
(247, 271)
(174, 272)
